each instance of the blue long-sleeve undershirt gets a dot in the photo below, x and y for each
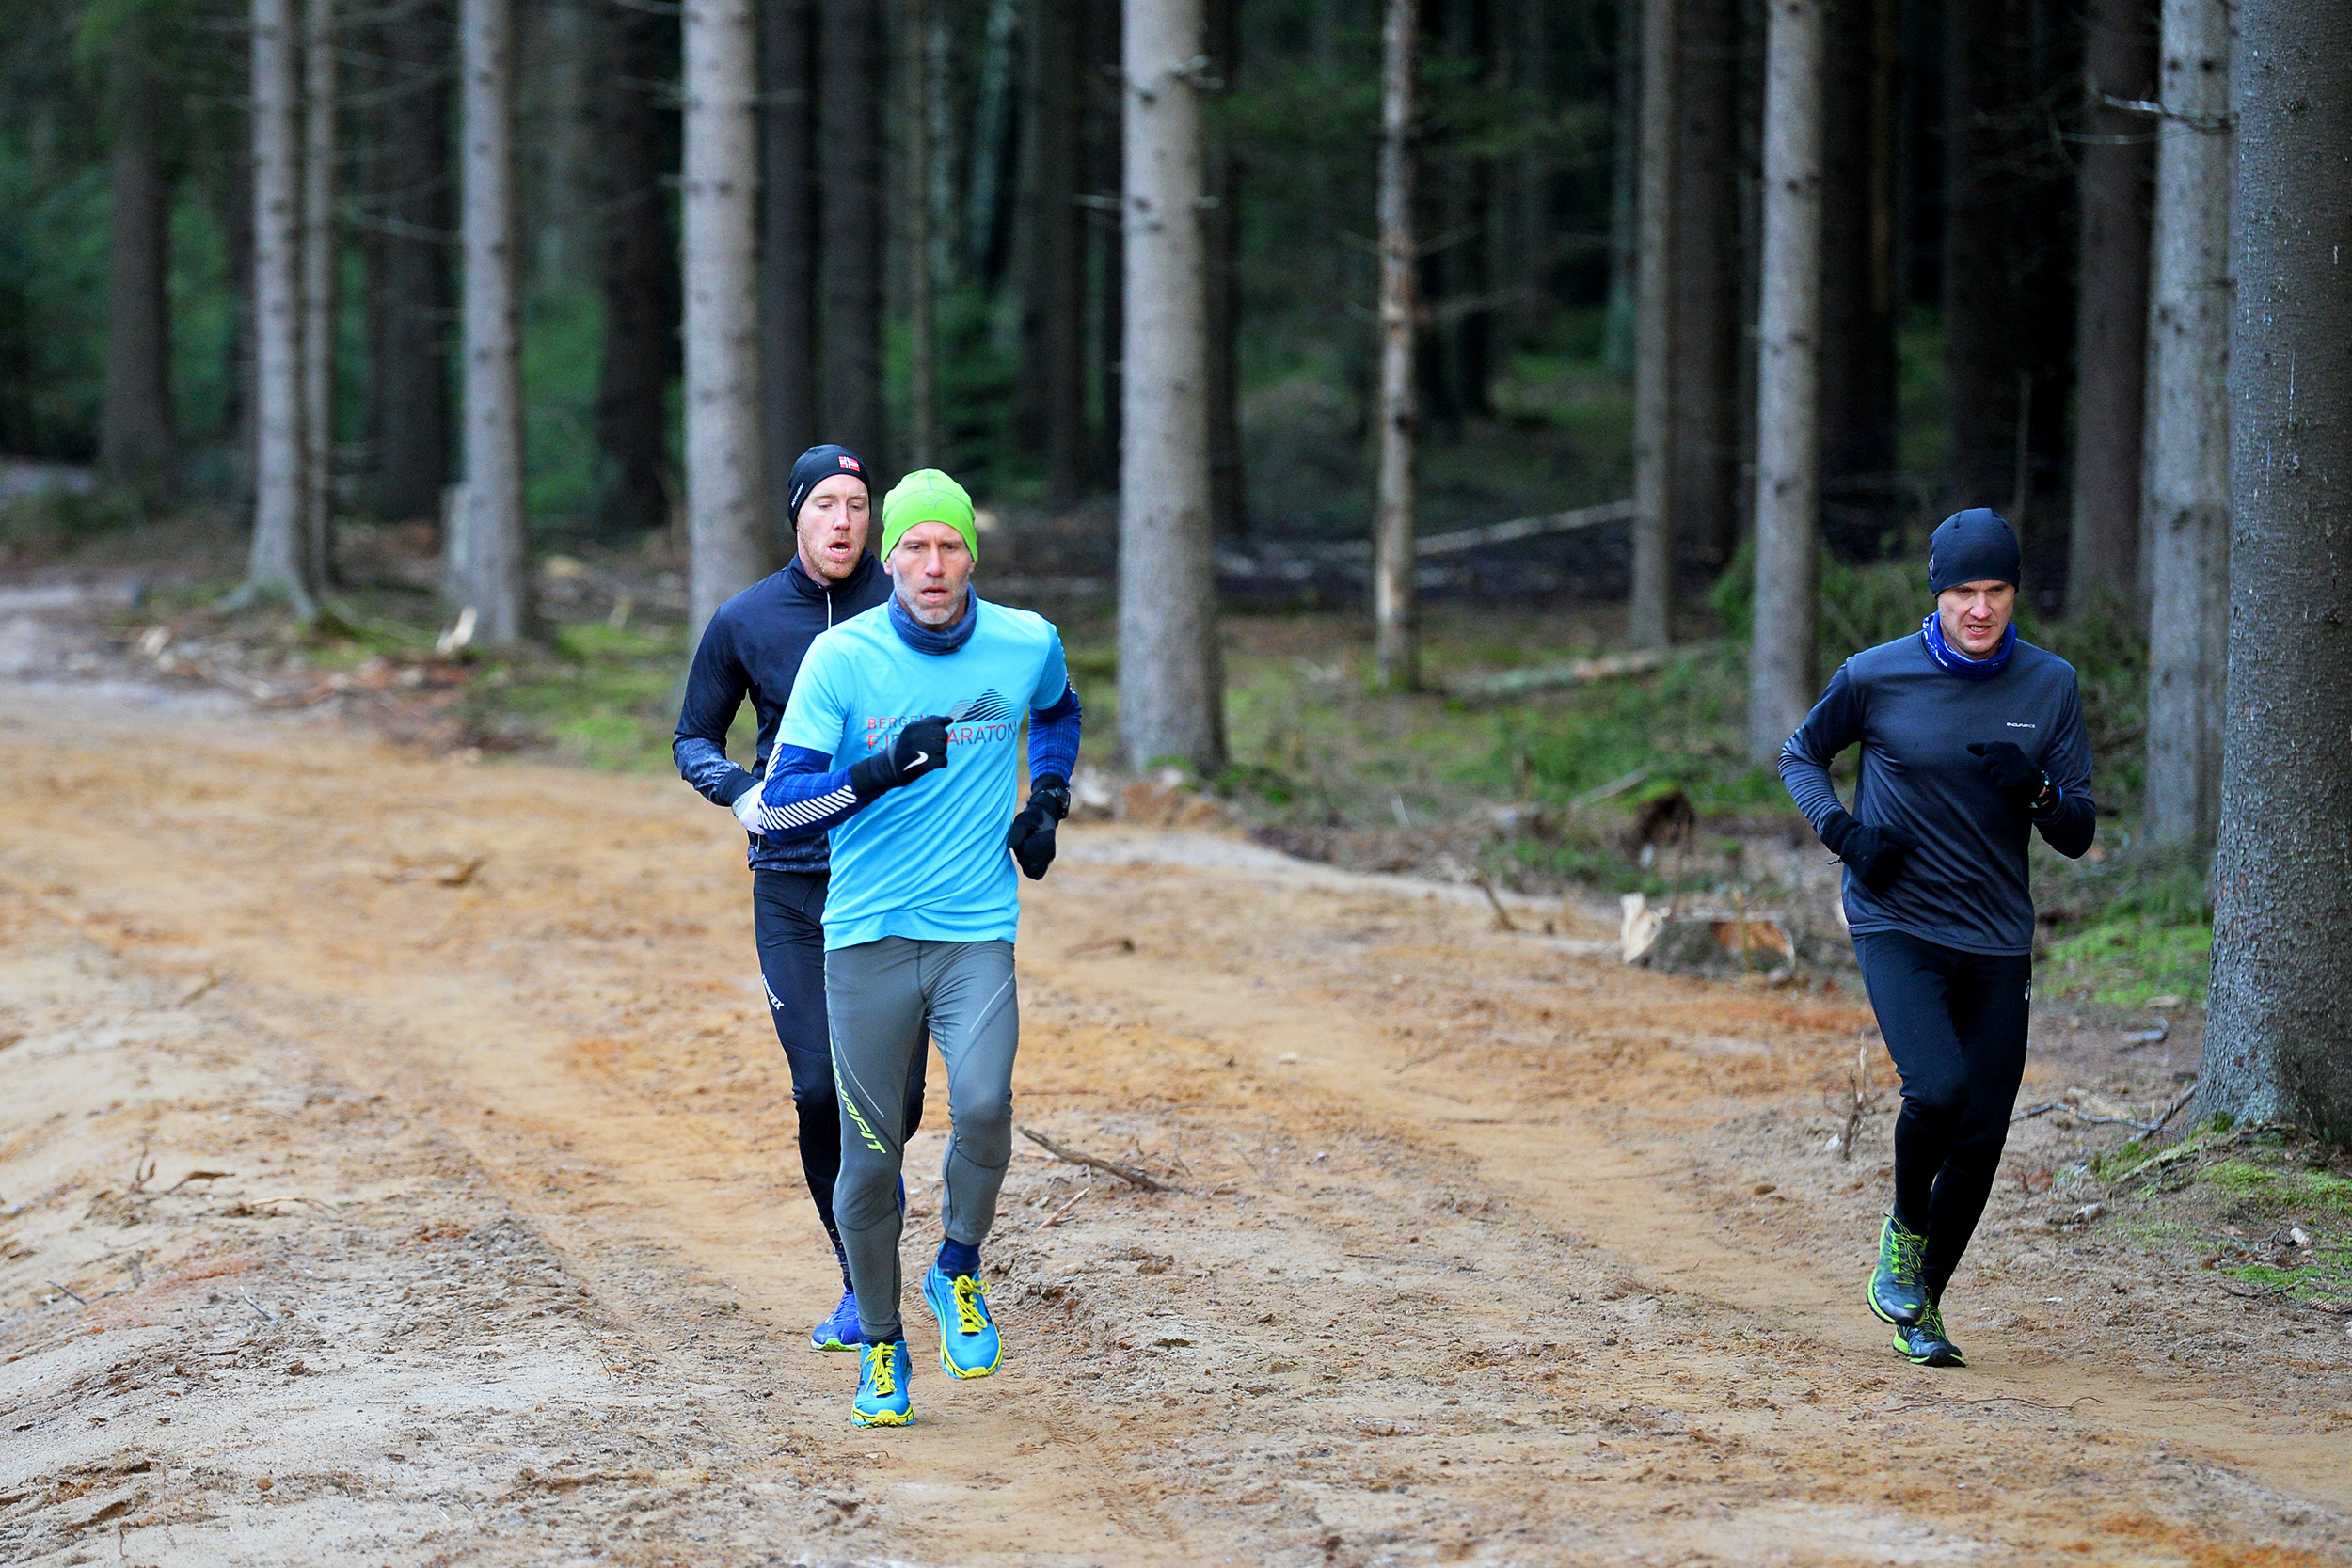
(1053, 738)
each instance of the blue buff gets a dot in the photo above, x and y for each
(1053, 738)
(1952, 661)
(959, 1259)
(804, 795)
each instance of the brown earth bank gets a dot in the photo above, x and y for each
(396, 1168)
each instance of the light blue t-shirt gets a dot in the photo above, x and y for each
(927, 860)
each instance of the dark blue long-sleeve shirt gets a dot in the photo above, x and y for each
(754, 648)
(1967, 884)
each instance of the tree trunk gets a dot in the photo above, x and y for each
(850, 96)
(135, 431)
(484, 558)
(1108, 184)
(788, 248)
(992, 131)
(1789, 374)
(1396, 657)
(1710, 319)
(725, 474)
(319, 291)
(2189, 428)
(1221, 225)
(1857, 319)
(2111, 303)
(412, 363)
(1053, 328)
(2278, 1036)
(1650, 613)
(1171, 700)
(922, 274)
(280, 559)
(1623, 250)
(639, 284)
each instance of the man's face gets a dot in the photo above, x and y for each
(831, 528)
(931, 567)
(1975, 614)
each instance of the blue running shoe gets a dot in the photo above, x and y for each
(968, 1346)
(1925, 1343)
(839, 1332)
(882, 1387)
(1898, 1291)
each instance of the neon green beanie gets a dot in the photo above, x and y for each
(928, 496)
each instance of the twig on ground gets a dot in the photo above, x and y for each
(67, 1288)
(2172, 1110)
(1095, 1161)
(199, 1176)
(1503, 916)
(1100, 944)
(2043, 1109)
(1063, 1210)
(2067, 1408)
(196, 989)
(256, 1306)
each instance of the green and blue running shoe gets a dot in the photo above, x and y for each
(839, 1332)
(968, 1346)
(882, 1387)
(1925, 1343)
(1897, 1292)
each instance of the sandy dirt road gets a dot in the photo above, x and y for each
(396, 1166)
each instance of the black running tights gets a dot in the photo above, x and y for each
(1955, 1024)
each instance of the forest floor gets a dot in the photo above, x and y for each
(396, 1168)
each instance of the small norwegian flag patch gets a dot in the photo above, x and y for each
(851, 462)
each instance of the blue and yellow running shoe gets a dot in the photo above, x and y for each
(1925, 1343)
(1897, 1292)
(839, 1332)
(968, 1346)
(882, 1387)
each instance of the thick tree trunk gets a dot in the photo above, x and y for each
(1221, 224)
(725, 471)
(788, 248)
(2111, 303)
(1395, 653)
(2189, 428)
(1857, 353)
(638, 284)
(319, 291)
(1052, 328)
(135, 431)
(412, 356)
(1710, 319)
(850, 96)
(2279, 1033)
(280, 558)
(1788, 373)
(1172, 699)
(1650, 613)
(484, 558)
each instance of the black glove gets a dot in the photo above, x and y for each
(1875, 855)
(2005, 764)
(1031, 836)
(920, 748)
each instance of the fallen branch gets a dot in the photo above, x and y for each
(256, 1306)
(67, 1288)
(197, 1176)
(1058, 1213)
(1095, 1161)
(1576, 672)
(1503, 916)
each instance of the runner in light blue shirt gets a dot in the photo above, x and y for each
(923, 909)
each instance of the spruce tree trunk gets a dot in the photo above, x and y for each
(1650, 615)
(788, 248)
(413, 363)
(1789, 374)
(850, 97)
(2279, 1031)
(1624, 252)
(922, 275)
(1709, 316)
(2111, 303)
(319, 291)
(725, 471)
(280, 559)
(1108, 182)
(1171, 700)
(1052, 328)
(135, 431)
(2189, 428)
(1857, 354)
(639, 284)
(485, 559)
(1395, 654)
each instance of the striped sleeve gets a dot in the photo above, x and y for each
(802, 796)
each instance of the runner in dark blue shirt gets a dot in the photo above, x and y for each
(752, 648)
(1971, 742)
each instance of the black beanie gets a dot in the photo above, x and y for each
(816, 466)
(1975, 546)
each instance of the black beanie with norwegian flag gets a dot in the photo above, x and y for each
(818, 465)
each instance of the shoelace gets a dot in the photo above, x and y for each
(882, 1371)
(971, 1305)
(1910, 1254)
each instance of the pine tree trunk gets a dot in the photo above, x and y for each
(1107, 183)
(1649, 620)
(725, 471)
(485, 565)
(135, 431)
(1857, 354)
(850, 94)
(413, 363)
(639, 285)
(922, 275)
(1053, 331)
(789, 246)
(2111, 303)
(1789, 374)
(1395, 653)
(1710, 318)
(319, 280)
(2279, 1033)
(1171, 700)
(2189, 428)
(280, 560)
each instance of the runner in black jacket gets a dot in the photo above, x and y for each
(754, 648)
(1971, 742)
